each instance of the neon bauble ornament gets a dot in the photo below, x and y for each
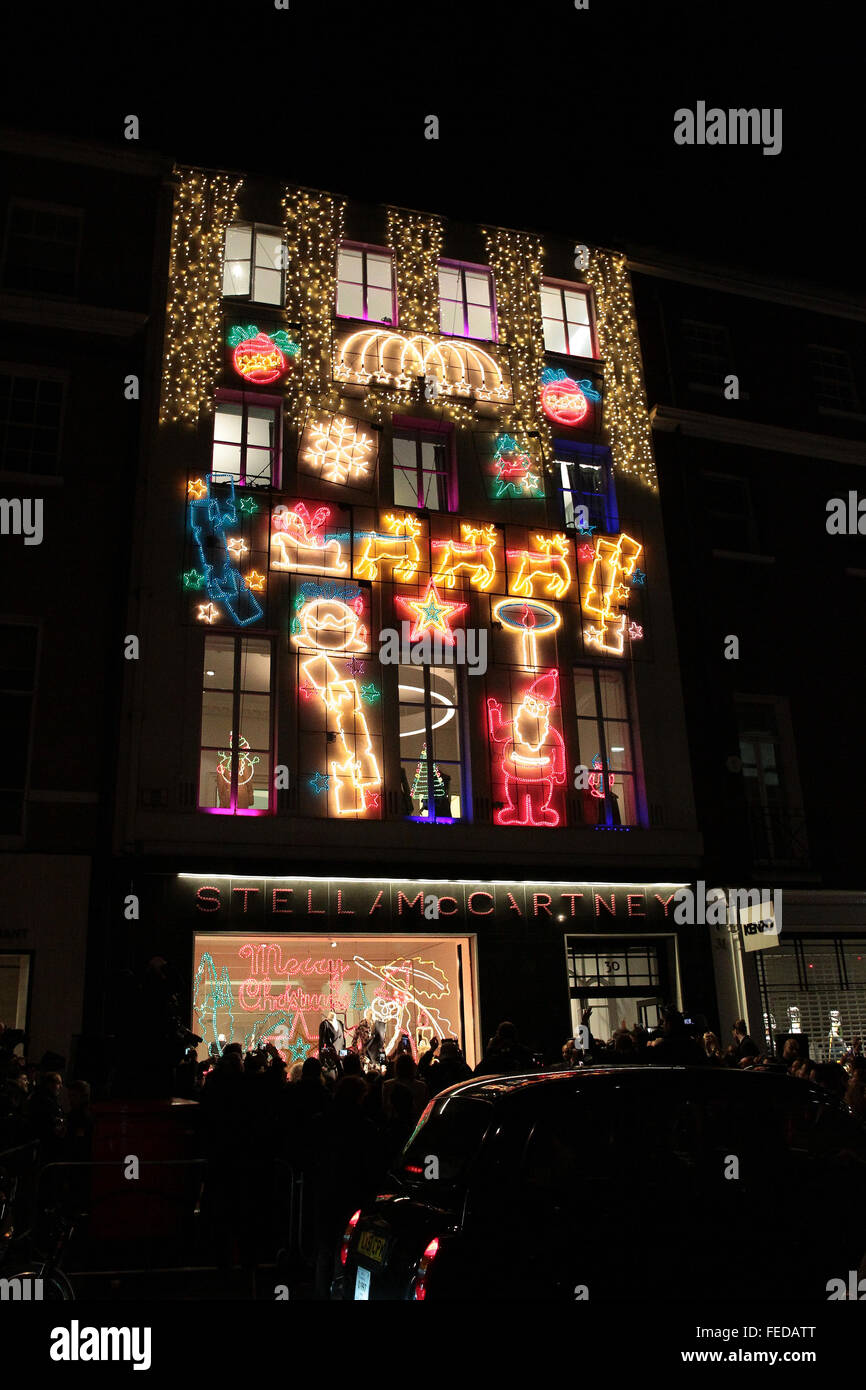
(258, 357)
(563, 400)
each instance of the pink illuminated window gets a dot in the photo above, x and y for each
(365, 284)
(466, 301)
(566, 318)
(235, 769)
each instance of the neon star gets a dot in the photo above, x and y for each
(635, 631)
(320, 782)
(372, 799)
(356, 666)
(638, 577)
(208, 612)
(255, 581)
(246, 504)
(193, 580)
(370, 692)
(308, 690)
(431, 613)
(585, 552)
(197, 489)
(299, 1049)
(238, 547)
(585, 530)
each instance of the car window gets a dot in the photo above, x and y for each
(447, 1139)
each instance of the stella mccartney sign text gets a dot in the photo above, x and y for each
(371, 904)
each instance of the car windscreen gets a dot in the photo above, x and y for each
(448, 1137)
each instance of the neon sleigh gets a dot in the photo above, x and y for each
(210, 515)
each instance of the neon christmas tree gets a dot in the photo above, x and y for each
(419, 785)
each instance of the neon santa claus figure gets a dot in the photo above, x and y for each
(533, 755)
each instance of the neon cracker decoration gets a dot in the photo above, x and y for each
(595, 779)
(563, 400)
(258, 357)
(548, 565)
(613, 562)
(533, 755)
(473, 556)
(514, 475)
(330, 629)
(397, 546)
(432, 614)
(340, 451)
(210, 515)
(300, 545)
(377, 357)
(532, 619)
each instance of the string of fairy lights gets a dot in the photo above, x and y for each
(313, 222)
(625, 409)
(204, 207)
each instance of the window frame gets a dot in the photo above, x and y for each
(20, 369)
(403, 425)
(57, 210)
(613, 815)
(745, 518)
(578, 287)
(237, 694)
(245, 399)
(816, 366)
(572, 455)
(787, 771)
(431, 817)
(365, 248)
(12, 839)
(249, 296)
(461, 267)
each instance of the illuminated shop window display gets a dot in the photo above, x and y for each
(431, 778)
(389, 994)
(816, 987)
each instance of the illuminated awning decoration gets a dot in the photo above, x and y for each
(381, 357)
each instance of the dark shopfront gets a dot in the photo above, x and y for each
(267, 958)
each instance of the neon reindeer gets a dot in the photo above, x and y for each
(397, 547)
(549, 563)
(474, 555)
(301, 545)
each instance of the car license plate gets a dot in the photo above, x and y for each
(372, 1246)
(362, 1283)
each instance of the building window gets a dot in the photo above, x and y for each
(365, 285)
(422, 470)
(832, 378)
(778, 830)
(254, 264)
(814, 987)
(246, 439)
(605, 746)
(31, 407)
(431, 782)
(18, 650)
(587, 483)
(43, 246)
(565, 316)
(466, 304)
(708, 352)
(730, 516)
(235, 772)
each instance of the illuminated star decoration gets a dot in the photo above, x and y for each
(208, 612)
(193, 580)
(246, 504)
(638, 577)
(320, 782)
(308, 690)
(197, 489)
(372, 799)
(635, 631)
(299, 1049)
(431, 613)
(585, 530)
(585, 552)
(356, 666)
(238, 547)
(255, 581)
(370, 692)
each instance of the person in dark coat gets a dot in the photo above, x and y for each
(744, 1046)
(505, 1054)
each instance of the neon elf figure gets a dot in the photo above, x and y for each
(330, 630)
(533, 755)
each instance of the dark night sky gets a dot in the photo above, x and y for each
(551, 119)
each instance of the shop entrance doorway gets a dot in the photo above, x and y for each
(618, 982)
(282, 988)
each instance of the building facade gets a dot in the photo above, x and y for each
(756, 392)
(405, 732)
(78, 226)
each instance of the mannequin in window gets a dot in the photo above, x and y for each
(331, 1034)
(376, 1046)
